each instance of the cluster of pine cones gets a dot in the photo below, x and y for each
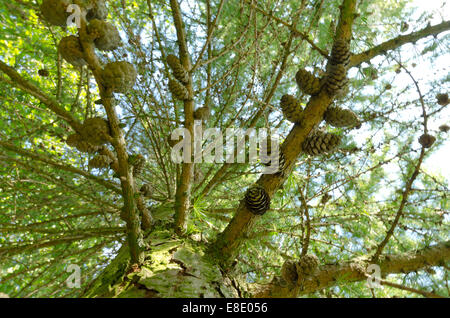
(318, 142)
(335, 79)
(118, 76)
(95, 133)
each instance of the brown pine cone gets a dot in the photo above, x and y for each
(178, 70)
(178, 90)
(320, 142)
(340, 117)
(70, 49)
(291, 108)
(307, 82)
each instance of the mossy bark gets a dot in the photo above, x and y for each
(173, 267)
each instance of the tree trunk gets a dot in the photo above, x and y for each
(173, 267)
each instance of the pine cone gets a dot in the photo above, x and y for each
(340, 53)
(336, 79)
(281, 164)
(106, 36)
(172, 142)
(96, 9)
(289, 273)
(340, 117)
(96, 131)
(178, 90)
(291, 108)
(319, 143)
(138, 163)
(307, 265)
(43, 72)
(444, 128)
(71, 50)
(54, 11)
(75, 140)
(100, 161)
(257, 200)
(84, 146)
(178, 70)
(146, 190)
(202, 113)
(442, 99)
(265, 155)
(427, 140)
(307, 82)
(325, 198)
(120, 76)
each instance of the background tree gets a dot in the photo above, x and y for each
(138, 224)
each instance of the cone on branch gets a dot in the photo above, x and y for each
(325, 198)
(266, 157)
(442, 99)
(427, 140)
(289, 273)
(179, 72)
(100, 161)
(43, 72)
(172, 142)
(55, 11)
(96, 131)
(146, 190)
(71, 50)
(444, 128)
(320, 143)
(105, 35)
(291, 108)
(77, 141)
(336, 79)
(307, 265)
(339, 117)
(340, 53)
(119, 76)
(307, 82)
(138, 162)
(178, 90)
(95, 9)
(257, 200)
(202, 113)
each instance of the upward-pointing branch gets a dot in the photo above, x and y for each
(230, 239)
(118, 142)
(183, 193)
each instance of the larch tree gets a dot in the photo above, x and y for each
(94, 203)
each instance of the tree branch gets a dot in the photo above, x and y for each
(118, 142)
(392, 44)
(183, 193)
(329, 275)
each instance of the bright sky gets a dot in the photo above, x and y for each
(439, 162)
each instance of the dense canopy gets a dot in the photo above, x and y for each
(86, 160)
